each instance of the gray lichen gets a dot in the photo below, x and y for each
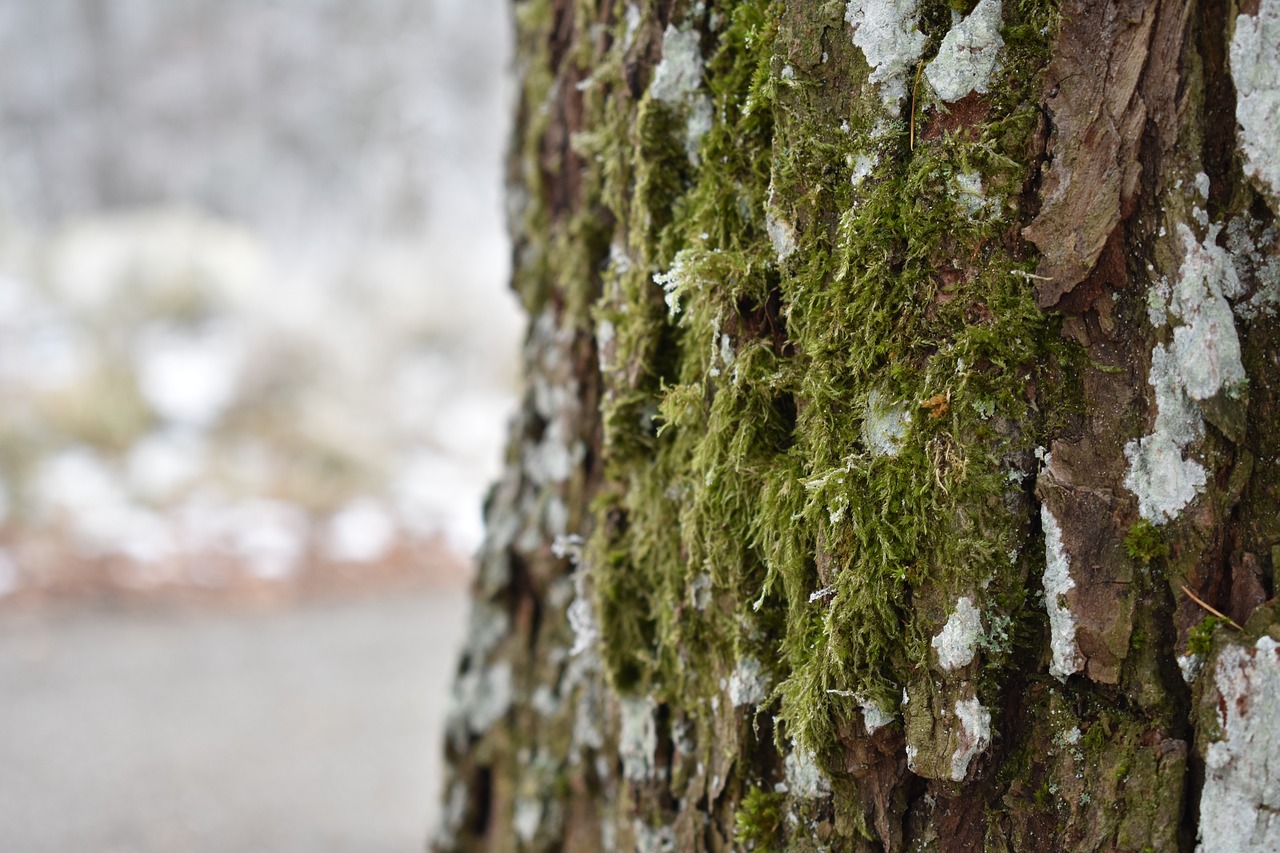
(1240, 806)
(890, 39)
(969, 55)
(1057, 583)
(1255, 69)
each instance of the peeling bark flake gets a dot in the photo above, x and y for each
(1103, 87)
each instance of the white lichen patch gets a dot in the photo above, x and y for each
(649, 839)
(887, 33)
(1162, 479)
(682, 737)
(1158, 296)
(633, 18)
(1190, 665)
(583, 622)
(1206, 345)
(969, 55)
(1240, 806)
(701, 116)
(1255, 69)
(487, 626)
(885, 425)
(679, 73)
(722, 353)
(582, 617)
(804, 778)
(586, 721)
(970, 194)
(862, 167)
(527, 818)
(1070, 737)
(700, 591)
(1257, 260)
(452, 817)
(605, 334)
(957, 642)
(975, 736)
(1202, 185)
(781, 235)
(637, 737)
(748, 685)
(1057, 583)
(838, 511)
(821, 593)
(482, 697)
(874, 716)
(1202, 362)
(545, 701)
(677, 81)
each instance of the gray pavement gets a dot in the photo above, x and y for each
(315, 728)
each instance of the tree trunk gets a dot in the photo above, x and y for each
(902, 409)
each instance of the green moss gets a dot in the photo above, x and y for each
(1200, 638)
(1144, 543)
(758, 820)
(735, 402)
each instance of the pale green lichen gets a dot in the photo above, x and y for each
(1255, 70)
(969, 55)
(1240, 805)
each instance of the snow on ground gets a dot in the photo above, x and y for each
(310, 729)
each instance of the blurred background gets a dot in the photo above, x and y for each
(257, 357)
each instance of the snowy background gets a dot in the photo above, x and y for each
(253, 307)
(257, 355)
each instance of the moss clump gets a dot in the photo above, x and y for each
(758, 820)
(1144, 543)
(819, 253)
(1200, 638)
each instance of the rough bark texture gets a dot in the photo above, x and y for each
(883, 453)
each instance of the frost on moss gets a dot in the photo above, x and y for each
(675, 282)
(887, 33)
(1240, 806)
(969, 55)
(1057, 583)
(1255, 69)
(957, 642)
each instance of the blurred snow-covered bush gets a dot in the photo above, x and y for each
(253, 315)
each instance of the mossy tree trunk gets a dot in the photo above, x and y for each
(903, 397)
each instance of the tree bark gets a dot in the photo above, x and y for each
(898, 466)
